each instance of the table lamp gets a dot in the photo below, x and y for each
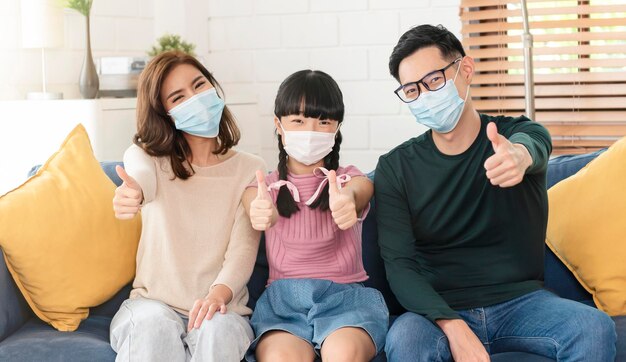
(42, 28)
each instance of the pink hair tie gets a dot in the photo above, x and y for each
(341, 179)
(291, 187)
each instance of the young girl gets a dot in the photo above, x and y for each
(197, 246)
(311, 210)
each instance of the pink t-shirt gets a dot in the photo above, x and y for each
(309, 244)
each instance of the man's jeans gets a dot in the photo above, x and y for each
(539, 323)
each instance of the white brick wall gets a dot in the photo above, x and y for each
(369, 28)
(336, 6)
(349, 39)
(309, 31)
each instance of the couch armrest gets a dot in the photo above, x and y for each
(14, 311)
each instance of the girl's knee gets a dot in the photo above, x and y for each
(348, 344)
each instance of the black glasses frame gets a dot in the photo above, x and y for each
(421, 81)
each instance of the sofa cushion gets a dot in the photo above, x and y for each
(37, 341)
(14, 311)
(558, 277)
(62, 243)
(110, 307)
(586, 227)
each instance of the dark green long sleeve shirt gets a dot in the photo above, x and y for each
(451, 240)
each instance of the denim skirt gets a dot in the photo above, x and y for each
(312, 309)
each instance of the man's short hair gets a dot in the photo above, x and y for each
(423, 36)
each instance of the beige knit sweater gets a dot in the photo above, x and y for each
(195, 232)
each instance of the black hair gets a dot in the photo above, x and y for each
(315, 94)
(423, 36)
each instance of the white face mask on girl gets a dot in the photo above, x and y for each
(308, 147)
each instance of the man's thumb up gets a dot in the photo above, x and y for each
(493, 135)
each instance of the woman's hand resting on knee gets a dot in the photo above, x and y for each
(217, 299)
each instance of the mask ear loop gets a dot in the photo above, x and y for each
(466, 93)
(457, 71)
(468, 86)
(338, 128)
(284, 135)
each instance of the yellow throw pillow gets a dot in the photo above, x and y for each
(62, 243)
(587, 227)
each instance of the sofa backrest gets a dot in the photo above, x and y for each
(562, 167)
(557, 277)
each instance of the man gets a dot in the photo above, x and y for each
(462, 213)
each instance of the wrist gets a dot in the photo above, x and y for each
(219, 293)
(214, 296)
(527, 160)
(213, 299)
(449, 325)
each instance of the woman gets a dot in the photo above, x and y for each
(197, 247)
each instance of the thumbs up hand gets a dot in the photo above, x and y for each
(341, 202)
(507, 167)
(128, 196)
(262, 210)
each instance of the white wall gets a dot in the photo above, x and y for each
(118, 27)
(255, 44)
(251, 46)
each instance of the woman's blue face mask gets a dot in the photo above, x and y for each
(200, 115)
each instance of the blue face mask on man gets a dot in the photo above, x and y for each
(440, 110)
(200, 115)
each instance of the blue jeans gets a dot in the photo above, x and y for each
(539, 323)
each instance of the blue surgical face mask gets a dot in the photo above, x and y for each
(200, 115)
(440, 110)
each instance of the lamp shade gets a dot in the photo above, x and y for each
(42, 24)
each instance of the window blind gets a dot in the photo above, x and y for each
(579, 57)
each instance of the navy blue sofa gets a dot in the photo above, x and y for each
(23, 337)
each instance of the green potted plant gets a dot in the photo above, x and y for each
(171, 42)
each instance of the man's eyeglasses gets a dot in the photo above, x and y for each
(432, 81)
